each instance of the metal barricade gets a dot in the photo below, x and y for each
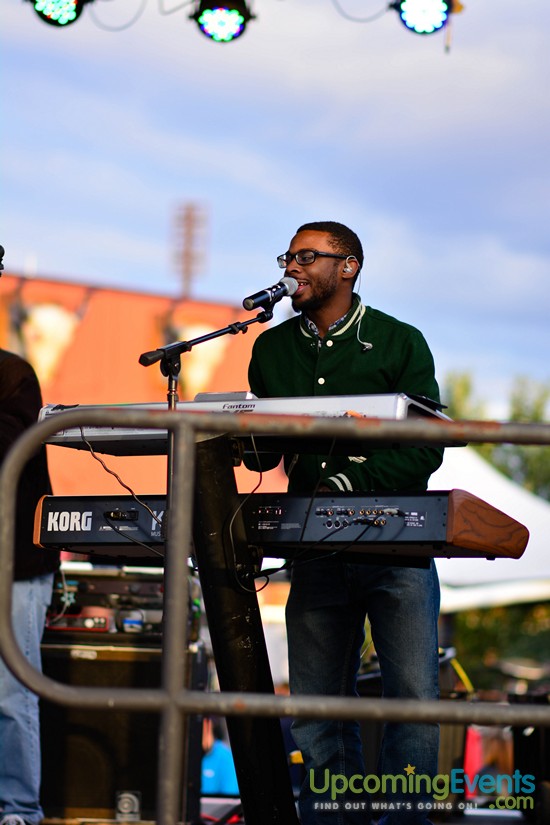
(172, 700)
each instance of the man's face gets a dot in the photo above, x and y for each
(318, 282)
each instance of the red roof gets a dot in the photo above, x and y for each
(84, 343)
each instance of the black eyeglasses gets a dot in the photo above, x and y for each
(304, 257)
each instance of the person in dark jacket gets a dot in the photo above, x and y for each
(20, 403)
(338, 346)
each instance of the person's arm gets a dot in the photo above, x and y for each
(399, 469)
(405, 467)
(260, 462)
(20, 402)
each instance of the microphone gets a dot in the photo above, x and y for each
(269, 296)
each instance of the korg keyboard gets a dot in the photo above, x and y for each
(394, 526)
(383, 528)
(113, 528)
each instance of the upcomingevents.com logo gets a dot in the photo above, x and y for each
(515, 787)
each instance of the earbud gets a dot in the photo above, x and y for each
(365, 345)
(347, 267)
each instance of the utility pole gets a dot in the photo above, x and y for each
(190, 243)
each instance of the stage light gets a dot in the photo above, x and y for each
(222, 22)
(424, 16)
(58, 12)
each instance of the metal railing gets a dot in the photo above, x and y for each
(172, 701)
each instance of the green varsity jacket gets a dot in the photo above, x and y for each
(289, 360)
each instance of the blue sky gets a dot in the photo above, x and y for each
(438, 160)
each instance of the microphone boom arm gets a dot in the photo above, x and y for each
(169, 356)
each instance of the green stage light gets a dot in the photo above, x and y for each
(58, 12)
(423, 16)
(223, 22)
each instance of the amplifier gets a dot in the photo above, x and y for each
(90, 758)
(86, 619)
(105, 601)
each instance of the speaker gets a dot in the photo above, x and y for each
(98, 762)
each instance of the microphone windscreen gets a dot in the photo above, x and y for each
(290, 283)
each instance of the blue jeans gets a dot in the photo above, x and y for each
(19, 719)
(326, 612)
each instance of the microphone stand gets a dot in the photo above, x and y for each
(169, 355)
(170, 366)
(232, 610)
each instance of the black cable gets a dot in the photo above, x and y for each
(130, 538)
(64, 600)
(369, 521)
(336, 552)
(313, 546)
(165, 12)
(118, 478)
(267, 573)
(124, 26)
(347, 16)
(234, 515)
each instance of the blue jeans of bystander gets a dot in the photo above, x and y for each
(19, 717)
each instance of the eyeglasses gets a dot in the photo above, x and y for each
(304, 257)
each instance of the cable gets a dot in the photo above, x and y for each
(334, 552)
(316, 489)
(64, 600)
(347, 16)
(232, 521)
(138, 501)
(314, 545)
(130, 538)
(165, 13)
(288, 563)
(462, 675)
(118, 478)
(368, 521)
(124, 26)
(365, 345)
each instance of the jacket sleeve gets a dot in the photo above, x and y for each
(255, 376)
(259, 462)
(400, 469)
(20, 403)
(404, 467)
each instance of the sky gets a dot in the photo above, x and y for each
(438, 159)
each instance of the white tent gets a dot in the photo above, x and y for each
(465, 583)
(479, 582)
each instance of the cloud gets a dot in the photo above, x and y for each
(437, 160)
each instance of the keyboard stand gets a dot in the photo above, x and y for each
(237, 636)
